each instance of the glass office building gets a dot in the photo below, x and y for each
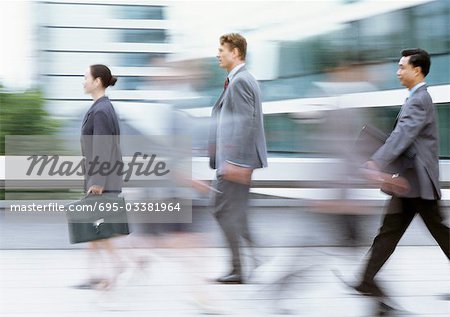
(129, 36)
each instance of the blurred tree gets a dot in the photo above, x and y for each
(24, 114)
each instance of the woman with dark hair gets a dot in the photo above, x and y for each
(100, 142)
(100, 124)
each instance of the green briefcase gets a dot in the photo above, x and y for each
(97, 217)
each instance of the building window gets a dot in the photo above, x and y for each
(139, 59)
(143, 36)
(141, 12)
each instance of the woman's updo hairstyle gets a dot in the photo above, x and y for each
(104, 73)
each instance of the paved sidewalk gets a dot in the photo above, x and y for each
(38, 283)
(289, 227)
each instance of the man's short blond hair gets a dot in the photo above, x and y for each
(235, 40)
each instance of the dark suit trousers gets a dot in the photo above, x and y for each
(400, 213)
(230, 210)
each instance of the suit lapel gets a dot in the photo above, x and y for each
(86, 117)
(405, 104)
(400, 113)
(88, 113)
(218, 105)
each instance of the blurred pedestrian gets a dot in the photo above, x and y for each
(415, 190)
(237, 146)
(100, 142)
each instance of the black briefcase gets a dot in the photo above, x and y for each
(370, 139)
(97, 217)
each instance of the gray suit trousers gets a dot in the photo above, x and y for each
(230, 210)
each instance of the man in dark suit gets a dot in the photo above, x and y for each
(417, 190)
(237, 146)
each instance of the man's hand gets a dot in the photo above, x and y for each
(200, 186)
(237, 174)
(95, 189)
(372, 172)
(371, 165)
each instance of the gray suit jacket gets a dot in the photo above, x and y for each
(416, 127)
(237, 127)
(100, 138)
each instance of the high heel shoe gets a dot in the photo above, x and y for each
(91, 283)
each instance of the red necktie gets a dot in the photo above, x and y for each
(225, 84)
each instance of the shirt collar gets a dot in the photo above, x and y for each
(234, 71)
(99, 99)
(413, 90)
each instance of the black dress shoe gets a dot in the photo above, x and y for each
(230, 279)
(90, 284)
(386, 309)
(364, 288)
(369, 289)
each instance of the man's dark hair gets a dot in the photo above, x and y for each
(419, 58)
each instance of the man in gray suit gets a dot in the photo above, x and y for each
(417, 189)
(237, 146)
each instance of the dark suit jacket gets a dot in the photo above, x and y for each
(100, 138)
(237, 127)
(416, 128)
